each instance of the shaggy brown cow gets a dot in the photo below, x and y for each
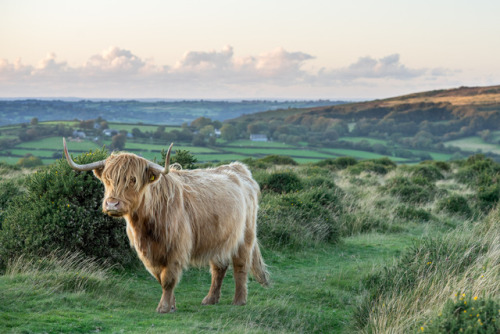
(181, 217)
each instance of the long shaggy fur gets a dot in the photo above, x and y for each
(188, 217)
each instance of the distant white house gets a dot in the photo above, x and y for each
(258, 137)
(110, 132)
(79, 134)
(217, 132)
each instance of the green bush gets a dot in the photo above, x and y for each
(488, 196)
(427, 172)
(281, 182)
(9, 191)
(479, 171)
(442, 165)
(182, 157)
(466, 314)
(29, 160)
(298, 219)
(410, 191)
(275, 159)
(337, 163)
(411, 213)
(379, 166)
(61, 210)
(269, 161)
(455, 204)
(319, 181)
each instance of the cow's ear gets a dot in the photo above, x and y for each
(152, 175)
(98, 172)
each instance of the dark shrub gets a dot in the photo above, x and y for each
(479, 171)
(319, 181)
(409, 191)
(488, 196)
(269, 161)
(411, 213)
(278, 160)
(379, 166)
(425, 171)
(29, 160)
(337, 163)
(9, 191)
(455, 204)
(299, 219)
(61, 210)
(282, 182)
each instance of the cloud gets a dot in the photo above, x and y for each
(367, 68)
(205, 61)
(114, 60)
(120, 73)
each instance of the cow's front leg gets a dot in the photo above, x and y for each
(169, 277)
(218, 273)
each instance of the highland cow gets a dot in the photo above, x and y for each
(177, 218)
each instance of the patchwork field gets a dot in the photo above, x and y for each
(473, 144)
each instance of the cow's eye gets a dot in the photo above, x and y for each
(132, 180)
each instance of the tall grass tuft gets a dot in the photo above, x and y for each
(401, 297)
(62, 272)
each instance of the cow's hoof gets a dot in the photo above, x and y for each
(239, 302)
(210, 300)
(165, 309)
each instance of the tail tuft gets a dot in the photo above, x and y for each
(259, 268)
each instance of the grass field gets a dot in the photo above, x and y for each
(47, 148)
(315, 290)
(369, 140)
(142, 127)
(473, 144)
(55, 143)
(249, 143)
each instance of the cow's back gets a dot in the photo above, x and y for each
(220, 203)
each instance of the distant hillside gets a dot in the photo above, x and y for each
(426, 121)
(132, 111)
(431, 106)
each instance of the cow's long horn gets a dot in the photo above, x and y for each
(167, 160)
(160, 169)
(86, 167)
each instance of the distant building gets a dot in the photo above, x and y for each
(79, 134)
(110, 132)
(217, 133)
(258, 137)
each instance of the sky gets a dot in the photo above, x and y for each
(240, 49)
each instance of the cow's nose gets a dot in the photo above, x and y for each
(112, 205)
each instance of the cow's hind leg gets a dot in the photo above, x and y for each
(169, 277)
(241, 265)
(218, 273)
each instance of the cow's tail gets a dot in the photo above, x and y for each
(259, 268)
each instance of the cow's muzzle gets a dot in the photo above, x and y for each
(113, 207)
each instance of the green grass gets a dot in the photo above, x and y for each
(369, 140)
(143, 127)
(472, 144)
(9, 160)
(220, 157)
(359, 154)
(249, 143)
(129, 145)
(286, 152)
(314, 290)
(56, 144)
